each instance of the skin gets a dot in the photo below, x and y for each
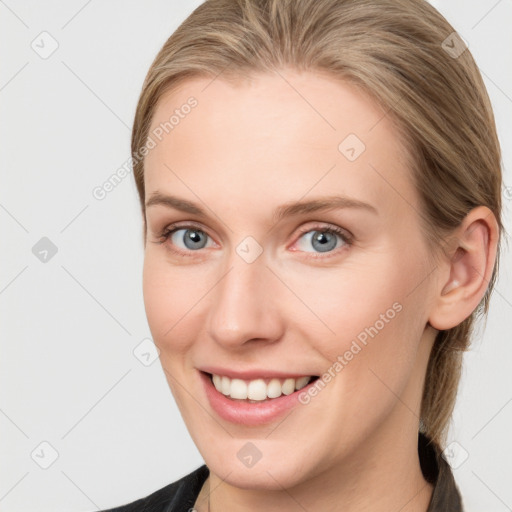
(247, 148)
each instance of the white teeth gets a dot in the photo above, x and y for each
(217, 381)
(258, 389)
(288, 386)
(238, 389)
(226, 385)
(300, 383)
(274, 389)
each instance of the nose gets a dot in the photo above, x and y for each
(245, 305)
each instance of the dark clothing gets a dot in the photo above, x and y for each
(437, 471)
(181, 495)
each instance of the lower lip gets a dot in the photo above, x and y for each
(246, 413)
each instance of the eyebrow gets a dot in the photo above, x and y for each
(285, 210)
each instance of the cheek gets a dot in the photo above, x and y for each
(169, 298)
(370, 315)
(349, 299)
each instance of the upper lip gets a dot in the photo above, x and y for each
(252, 374)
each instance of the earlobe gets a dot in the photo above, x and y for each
(467, 271)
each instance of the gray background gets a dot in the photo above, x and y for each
(69, 326)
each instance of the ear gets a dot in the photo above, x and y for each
(465, 273)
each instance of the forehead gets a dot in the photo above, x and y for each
(280, 134)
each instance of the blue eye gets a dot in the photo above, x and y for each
(189, 239)
(192, 238)
(323, 239)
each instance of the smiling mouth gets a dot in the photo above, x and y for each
(260, 389)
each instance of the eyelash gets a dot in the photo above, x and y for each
(347, 239)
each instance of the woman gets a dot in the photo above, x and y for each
(320, 186)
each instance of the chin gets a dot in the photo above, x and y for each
(269, 476)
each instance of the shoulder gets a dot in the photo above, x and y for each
(179, 495)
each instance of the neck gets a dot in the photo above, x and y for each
(386, 477)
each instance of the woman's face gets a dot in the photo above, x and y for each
(240, 290)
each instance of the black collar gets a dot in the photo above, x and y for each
(437, 471)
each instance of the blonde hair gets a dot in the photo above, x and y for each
(398, 51)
